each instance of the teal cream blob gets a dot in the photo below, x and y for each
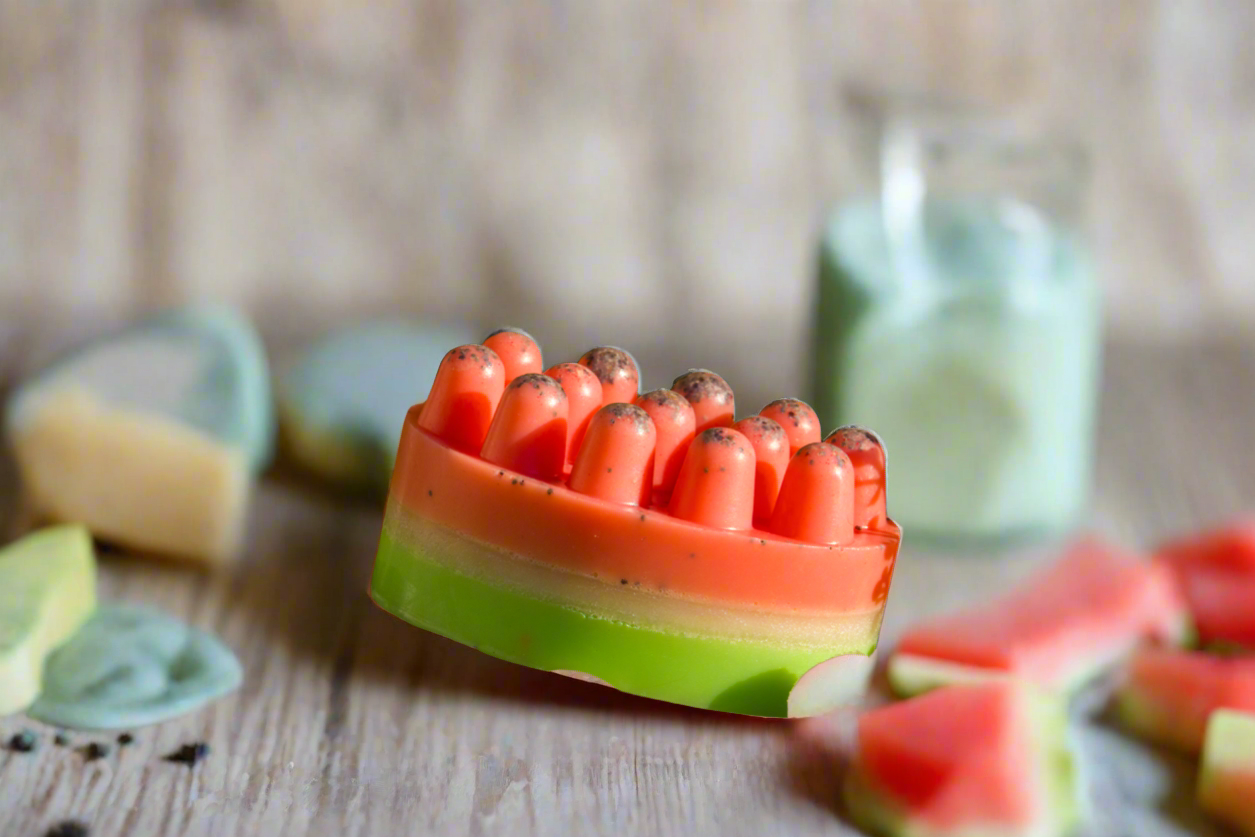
(129, 667)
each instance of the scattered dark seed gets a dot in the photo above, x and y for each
(692, 554)
(96, 750)
(550, 491)
(501, 473)
(609, 470)
(125, 739)
(189, 754)
(642, 518)
(623, 581)
(24, 742)
(514, 481)
(68, 828)
(429, 492)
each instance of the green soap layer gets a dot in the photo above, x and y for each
(745, 677)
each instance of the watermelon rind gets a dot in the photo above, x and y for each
(913, 674)
(1228, 759)
(1062, 808)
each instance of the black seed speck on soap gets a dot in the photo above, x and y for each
(61, 739)
(721, 468)
(68, 828)
(623, 581)
(705, 470)
(429, 492)
(642, 518)
(610, 364)
(514, 481)
(550, 491)
(24, 742)
(692, 554)
(189, 754)
(719, 436)
(699, 384)
(125, 739)
(609, 470)
(96, 750)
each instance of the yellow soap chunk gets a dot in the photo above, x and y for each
(47, 592)
(136, 478)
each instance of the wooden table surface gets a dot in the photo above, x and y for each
(352, 723)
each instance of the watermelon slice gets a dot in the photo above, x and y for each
(977, 759)
(1226, 783)
(646, 542)
(1168, 695)
(1216, 571)
(1058, 630)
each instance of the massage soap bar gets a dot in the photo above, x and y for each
(151, 436)
(47, 591)
(648, 542)
(344, 401)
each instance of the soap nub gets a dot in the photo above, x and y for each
(47, 592)
(150, 437)
(343, 401)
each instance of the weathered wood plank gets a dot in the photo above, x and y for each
(351, 723)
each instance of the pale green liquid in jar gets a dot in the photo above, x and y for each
(976, 360)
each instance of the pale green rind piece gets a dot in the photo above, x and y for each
(912, 674)
(343, 403)
(47, 591)
(873, 811)
(1226, 779)
(129, 667)
(202, 365)
(1230, 741)
(841, 681)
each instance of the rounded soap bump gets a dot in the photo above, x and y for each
(616, 461)
(771, 455)
(816, 501)
(529, 432)
(518, 350)
(618, 372)
(798, 419)
(716, 483)
(463, 398)
(675, 426)
(870, 461)
(583, 393)
(713, 402)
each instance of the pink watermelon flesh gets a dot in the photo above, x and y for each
(955, 756)
(1168, 695)
(1216, 571)
(1078, 614)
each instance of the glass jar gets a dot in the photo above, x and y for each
(959, 317)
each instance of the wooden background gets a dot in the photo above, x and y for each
(596, 171)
